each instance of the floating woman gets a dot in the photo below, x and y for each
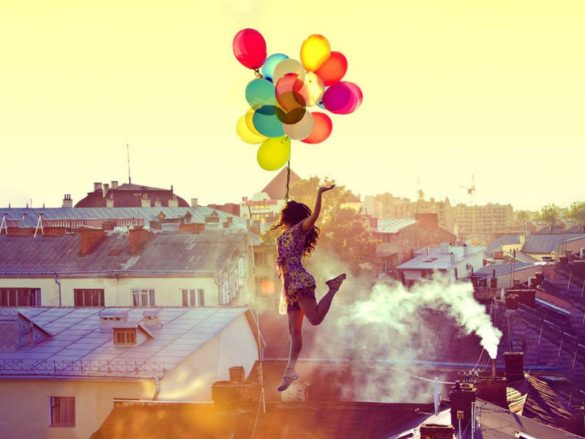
(299, 238)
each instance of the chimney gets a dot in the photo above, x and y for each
(90, 239)
(151, 319)
(514, 366)
(465, 250)
(109, 318)
(137, 237)
(462, 396)
(97, 186)
(194, 202)
(436, 431)
(114, 184)
(67, 201)
(145, 202)
(452, 258)
(237, 374)
(106, 188)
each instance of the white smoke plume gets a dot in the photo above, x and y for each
(385, 328)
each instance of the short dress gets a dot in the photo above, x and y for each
(296, 280)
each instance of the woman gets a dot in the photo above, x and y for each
(298, 238)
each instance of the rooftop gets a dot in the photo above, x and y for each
(78, 346)
(393, 225)
(205, 252)
(547, 243)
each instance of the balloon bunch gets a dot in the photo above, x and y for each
(282, 91)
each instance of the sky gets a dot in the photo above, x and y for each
(493, 89)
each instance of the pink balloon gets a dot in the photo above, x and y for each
(343, 98)
(250, 48)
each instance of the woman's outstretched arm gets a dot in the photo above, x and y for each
(309, 222)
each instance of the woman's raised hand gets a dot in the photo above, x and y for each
(326, 188)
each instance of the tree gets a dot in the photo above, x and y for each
(522, 216)
(577, 211)
(344, 231)
(550, 214)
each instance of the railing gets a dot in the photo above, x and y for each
(97, 368)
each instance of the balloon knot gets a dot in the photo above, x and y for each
(258, 74)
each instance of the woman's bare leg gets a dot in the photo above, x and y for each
(295, 329)
(316, 312)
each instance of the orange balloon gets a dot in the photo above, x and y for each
(333, 69)
(322, 127)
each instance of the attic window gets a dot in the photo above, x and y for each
(125, 336)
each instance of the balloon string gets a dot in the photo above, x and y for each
(287, 179)
(258, 74)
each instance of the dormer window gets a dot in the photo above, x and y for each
(125, 336)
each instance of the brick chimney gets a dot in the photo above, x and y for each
(436, 431)
(90, 239)
(514, 366)
(105, 190)
(427, 220)
(137, 237)
(114, 184)
(462, 396)
(67, 201)
(97, 186)
(194, 202)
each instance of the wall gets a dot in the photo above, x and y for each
(118, 292)
(192, 379)
(25, 405)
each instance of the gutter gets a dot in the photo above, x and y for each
(58, 282)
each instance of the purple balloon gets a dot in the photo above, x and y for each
(342, 98)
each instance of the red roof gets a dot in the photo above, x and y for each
(130, 195)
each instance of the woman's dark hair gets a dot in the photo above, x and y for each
(294, 213)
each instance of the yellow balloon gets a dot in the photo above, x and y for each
(315, 88)
(246, 133)
(250, 123)
(274, 153)
(314, 52)
(288, 66)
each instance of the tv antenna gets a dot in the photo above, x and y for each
(128, 154)
(470, 189)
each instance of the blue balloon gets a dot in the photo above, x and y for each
(260, 92)
(267, 122)
(270, 64)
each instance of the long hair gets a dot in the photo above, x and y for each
(292, 214)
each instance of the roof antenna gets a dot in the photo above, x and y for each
(128, 153)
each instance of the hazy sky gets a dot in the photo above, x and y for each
(452, 88)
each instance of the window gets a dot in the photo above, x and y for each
(193, 298)
(62, 411)
(88, 297)
(261, 258)
(20, 297)
(125, 336)
(143, 297)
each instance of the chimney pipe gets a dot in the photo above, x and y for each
(493, 368)
(462, 396)
(514, 366)
(97, 186)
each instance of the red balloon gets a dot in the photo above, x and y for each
(291, 92)
(334, 69)
(250, 48)
(321, 129)
(342, 98)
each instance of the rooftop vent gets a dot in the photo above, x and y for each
(151, 319)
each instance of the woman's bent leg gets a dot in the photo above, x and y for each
(314, 311)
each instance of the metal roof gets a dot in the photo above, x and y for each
(206, 252)
(393, 225)
(79, 347)
(542, 244)
(505, 268)
(496, 244)
(28, 217)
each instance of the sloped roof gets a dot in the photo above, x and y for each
(151, 420)
(77, 341)
(546, 243)
(169, 253)
(28, 217)
(534, 398)
(125, 195)
(276, 189)
(496, 244)
(437, 259)
(393, 225)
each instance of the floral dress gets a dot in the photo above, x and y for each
(296, 280)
